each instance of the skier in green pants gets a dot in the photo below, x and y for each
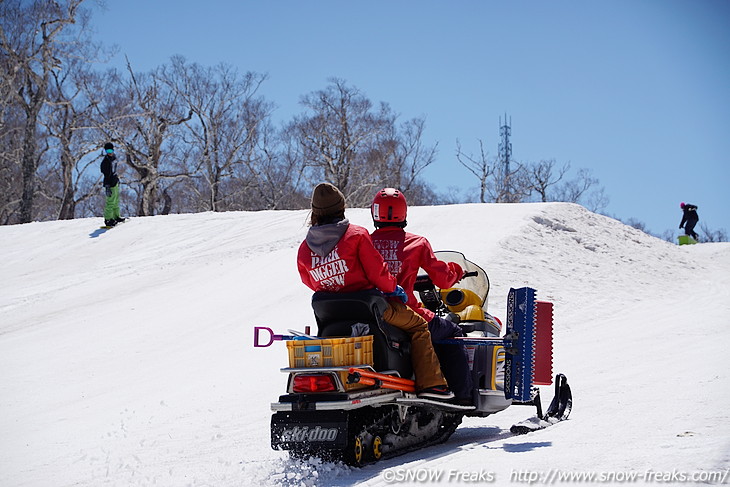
(111, 186)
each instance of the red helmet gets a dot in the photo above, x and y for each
(682, 205)
(389, 205)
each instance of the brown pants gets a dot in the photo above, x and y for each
(425, 363)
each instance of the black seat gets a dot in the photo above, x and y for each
(337, 312)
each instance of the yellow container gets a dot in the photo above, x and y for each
(332, 352)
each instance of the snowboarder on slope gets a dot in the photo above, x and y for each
(689, 219)
(405, 253)
(338, 256)
(111, 186)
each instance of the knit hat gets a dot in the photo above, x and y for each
(109, 145)
(327, 200)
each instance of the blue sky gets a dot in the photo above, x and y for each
(637, 91)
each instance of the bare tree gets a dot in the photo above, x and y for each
(344, 139)
(411, 155)
(481, 167)
(597, 200)
(31, 42)
(509, 185)
(583, 189)
(709, 235)
(143, 116)
(573, 190)
(278, 171)
(11, 123)
(68, 121)
(541, 176)
(337, 136)
(496, 185)
(226, 132)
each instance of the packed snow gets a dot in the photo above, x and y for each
(126, 356)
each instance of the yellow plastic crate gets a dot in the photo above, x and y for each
(331, 352)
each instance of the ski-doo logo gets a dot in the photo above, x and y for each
(306, 433)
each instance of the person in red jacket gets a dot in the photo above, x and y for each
(337, 256)
(405, 253)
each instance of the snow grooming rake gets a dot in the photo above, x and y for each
(529, 326)
(519, 343)
(528, 343)
(520, 352)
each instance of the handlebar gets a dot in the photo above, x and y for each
(423, 282)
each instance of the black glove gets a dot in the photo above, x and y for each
(108, 191)
(680, 226)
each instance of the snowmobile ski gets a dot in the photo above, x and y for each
(562, 402)
(530, 425)
(559, 409)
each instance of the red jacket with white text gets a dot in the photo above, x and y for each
(405, 253)
(340, 257)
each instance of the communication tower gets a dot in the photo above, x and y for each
(505, 151)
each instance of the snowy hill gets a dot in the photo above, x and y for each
(126, 357)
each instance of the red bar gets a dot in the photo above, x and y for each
(542, 374)
(406, 385)
(383, 377)
(385, 385)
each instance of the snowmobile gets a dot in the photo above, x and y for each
(350, 396)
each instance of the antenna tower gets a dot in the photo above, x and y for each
(505, 152)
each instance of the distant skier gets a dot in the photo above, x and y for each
(689, 219)
(111, 186)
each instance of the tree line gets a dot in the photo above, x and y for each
(198, 138)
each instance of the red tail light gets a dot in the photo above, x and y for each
(314, 383)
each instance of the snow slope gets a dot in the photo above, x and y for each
(126, 356)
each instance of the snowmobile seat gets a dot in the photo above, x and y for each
(337, 312)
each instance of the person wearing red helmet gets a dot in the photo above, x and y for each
(405, 253)
(689, 219)
(338, 256)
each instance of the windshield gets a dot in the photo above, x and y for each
(478, 284)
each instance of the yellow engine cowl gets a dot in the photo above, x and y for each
(471, 313)
(457, 299)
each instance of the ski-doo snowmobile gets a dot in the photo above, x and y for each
(350, 396)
